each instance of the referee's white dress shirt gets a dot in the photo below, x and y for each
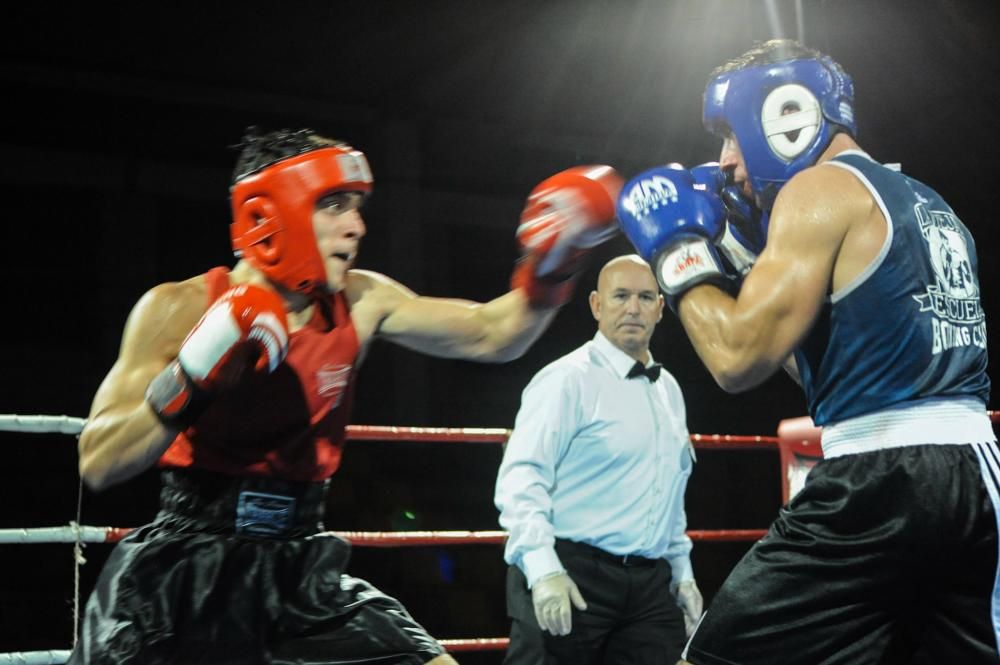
(596, 458)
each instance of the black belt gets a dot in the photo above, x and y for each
(199, 500)
(623, 560)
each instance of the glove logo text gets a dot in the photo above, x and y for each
(685, 262)
(648, 195)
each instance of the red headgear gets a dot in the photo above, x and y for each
(272, 212)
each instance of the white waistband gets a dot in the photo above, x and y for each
(936, 421)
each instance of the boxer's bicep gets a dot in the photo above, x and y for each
(123, 436)
(743, 342)
(793, 277)
(153, 334)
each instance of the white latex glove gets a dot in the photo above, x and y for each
(551, 597)
(689, 600)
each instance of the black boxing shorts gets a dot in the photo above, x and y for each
(882, 556)
(232, 571)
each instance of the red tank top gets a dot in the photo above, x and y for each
(290, 423)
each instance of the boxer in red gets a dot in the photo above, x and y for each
(238, 383)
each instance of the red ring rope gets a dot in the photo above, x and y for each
(425, 538)
(499, 435)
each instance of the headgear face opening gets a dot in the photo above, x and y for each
(782, 114)
(272, 213)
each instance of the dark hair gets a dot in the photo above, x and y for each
(258, 150)
(767, 53)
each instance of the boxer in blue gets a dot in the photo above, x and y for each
(862, 282)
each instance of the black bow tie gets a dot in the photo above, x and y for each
(652, 372)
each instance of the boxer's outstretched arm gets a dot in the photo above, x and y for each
(564, 218)
(496, 331)
(123, 435)
(745, 340)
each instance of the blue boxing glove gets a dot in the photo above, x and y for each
(709, 176)
(745, 234)
(673, 220)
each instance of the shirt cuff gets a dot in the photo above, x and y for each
(680, 570)
(538, 563)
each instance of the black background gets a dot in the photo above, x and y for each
(114, 177)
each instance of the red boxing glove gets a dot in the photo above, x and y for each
(247, 325)
(565, 216)
(245, 316)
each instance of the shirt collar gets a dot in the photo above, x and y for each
(621, 362)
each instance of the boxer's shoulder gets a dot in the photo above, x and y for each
(824, 195)
(168, 311)
(366, 288)
(185, 298)
(372, 297)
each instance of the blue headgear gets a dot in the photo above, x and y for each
(782, 114)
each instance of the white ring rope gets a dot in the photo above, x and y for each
(60, 424)
(78, 561)
(54, 657)
(55, 534)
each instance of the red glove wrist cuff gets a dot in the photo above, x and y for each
(545, 291)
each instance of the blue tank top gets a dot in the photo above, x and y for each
(911, 325)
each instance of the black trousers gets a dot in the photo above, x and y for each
(881, 555)
(631, 616)
(232, 572)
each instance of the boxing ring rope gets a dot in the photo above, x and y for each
(381, 539)
(80, 534)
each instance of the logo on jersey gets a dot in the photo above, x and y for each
(331, 380)
(958, 319)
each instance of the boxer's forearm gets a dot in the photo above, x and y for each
(116, 446)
